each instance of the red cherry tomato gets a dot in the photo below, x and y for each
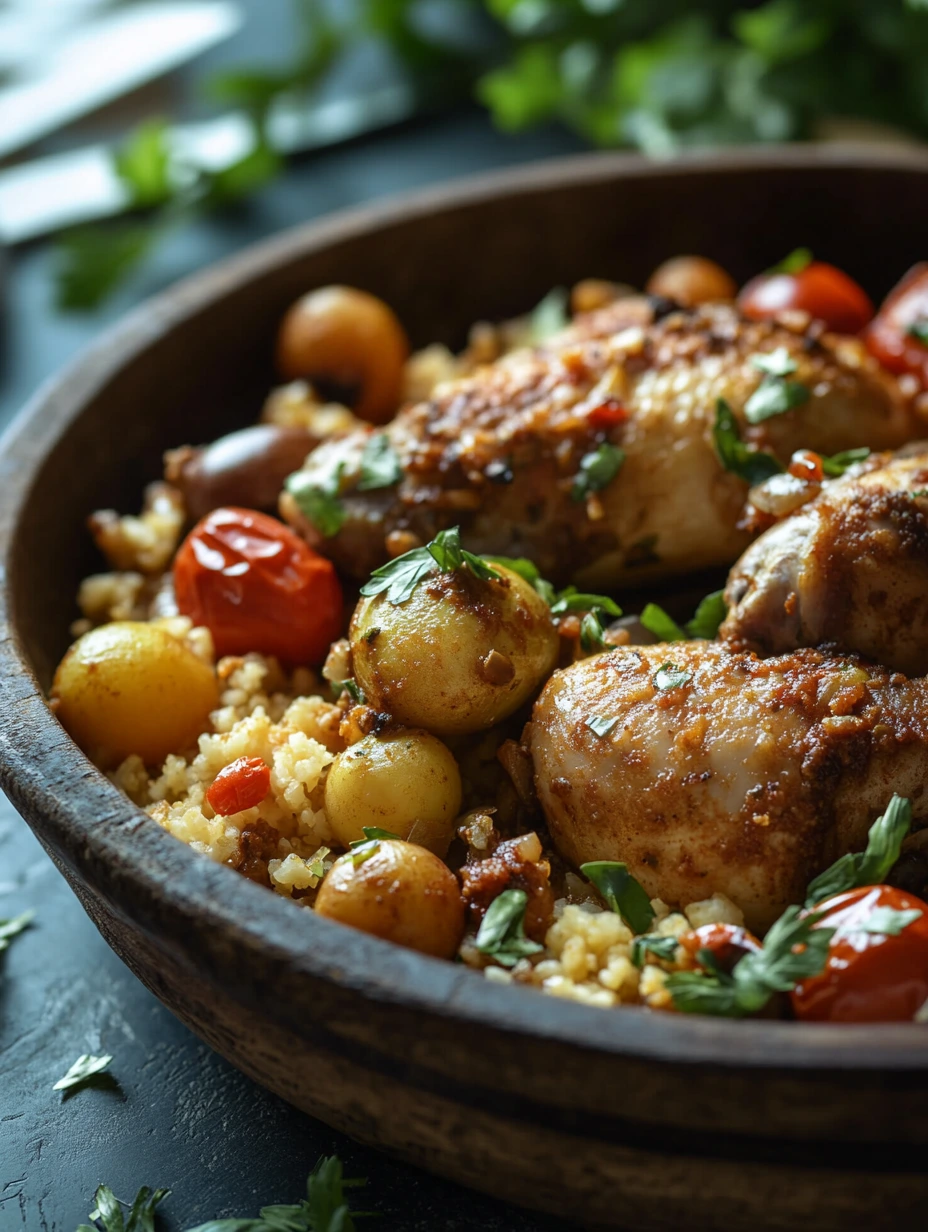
(241, 785)
(257, 587)
(893, 334)
(869, 976)
(805, 464)
(725, 942)
(821, 290)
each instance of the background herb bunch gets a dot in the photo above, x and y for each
(658, 75)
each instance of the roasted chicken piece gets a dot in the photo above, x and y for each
(506, 452)
(850, 568)
(710, 770)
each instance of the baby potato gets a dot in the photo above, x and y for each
(406, 782)
(400, 892)
(130, 687)
(459, 655)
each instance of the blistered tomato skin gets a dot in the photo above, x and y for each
(241, 785)
(821, 290)
(869, 976)
(889, 338)
(258, 587)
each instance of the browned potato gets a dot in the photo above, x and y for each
(404, 781)
(130, 687)
(398, 891)
(349, 338)
(459, 655)
(691, 281)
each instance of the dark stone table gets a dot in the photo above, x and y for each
(183, 1117)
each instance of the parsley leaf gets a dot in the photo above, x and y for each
(591, 633)
(528, 571)
(670, 676)
(601, 725)
(597, 470)
(550, 316)
(794, 263)
(751, 465)
(626, 896)
(380, 467)
(663, 626)
(13, 927)
(83, 1069)
(918, 330)
(778, 362)
(502, 931)
(572, 600)
(886, 921)
(664, 948)
(868, 867)
(838, 463)
(141, 1217)
(317, 498)
(774, 396)
(400, 577)
(448, 554)
(710, 613)
(372, 834)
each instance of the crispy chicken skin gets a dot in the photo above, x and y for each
(748, 779)
(497, 452)
(850, 568)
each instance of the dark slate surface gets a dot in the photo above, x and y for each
(183, 1118)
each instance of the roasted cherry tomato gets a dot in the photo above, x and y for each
(877, 966)
(898, 335)
(805, 464)
(725, 942)
(257, 586)
(241, 785)
(821, 290)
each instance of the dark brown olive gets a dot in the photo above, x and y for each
(245, 468)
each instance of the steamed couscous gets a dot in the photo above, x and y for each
(471, 760)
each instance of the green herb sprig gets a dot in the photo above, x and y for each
(775, 394)
(597, 470)
(671, 676)
(400, 577)
(626, 896)
(380, 466)
(316, 493)
(868, 867)
(838, 463)
(705, 623)
(751, 465)
(82, 1071)
(662, 948)
(501, 935)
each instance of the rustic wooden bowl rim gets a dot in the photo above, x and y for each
(93, 827)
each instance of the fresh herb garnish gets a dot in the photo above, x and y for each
(626, 896)
(601, 724)
(886, 921)
(373, 834)
(572, 600)
(708, 616)
(662, 625)
(670, 676)
(775, 394)
(794, 949)
(502, 931)
(400, 577)
(794, 263)
(380, 467)
(13, 927)
(352, 688)
(591, 633)
(838, 463)
(868, 867)
(317, 498)
(751, 465)
(141, 1215)
(550, 316)
(664, 948)
(918, 493)
(83, 1069)
(597, 470)
(528, 571)
(918, 330)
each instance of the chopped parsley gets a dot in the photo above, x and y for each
(794, 949)
(572, 600)
(597, 470)
(380, 467)
(775, 394)
(529, 572)
(502, 932)
(670, 676)
(838, 463)
(708, 616)
(13, 927)
(601, 724)
(663, 626)
(549, 316)
(751, 465)
(626, 896)
(400, 577)
(317, 499)
(918, 329)
(80, 1073)
(868, 867)
(663, 948)
(141, 1215)
(362, 849)
(352, 688)
(591, 633)
(794, 263)
(886, 921)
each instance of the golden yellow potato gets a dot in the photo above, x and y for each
(130, 687)
(405, 781)
(459, 655)
(691, 281)
(398, 891)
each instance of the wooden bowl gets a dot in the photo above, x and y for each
(611, 1118)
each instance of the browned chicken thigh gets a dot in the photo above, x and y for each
(706, 770)
(507, 452)
(849, 568)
